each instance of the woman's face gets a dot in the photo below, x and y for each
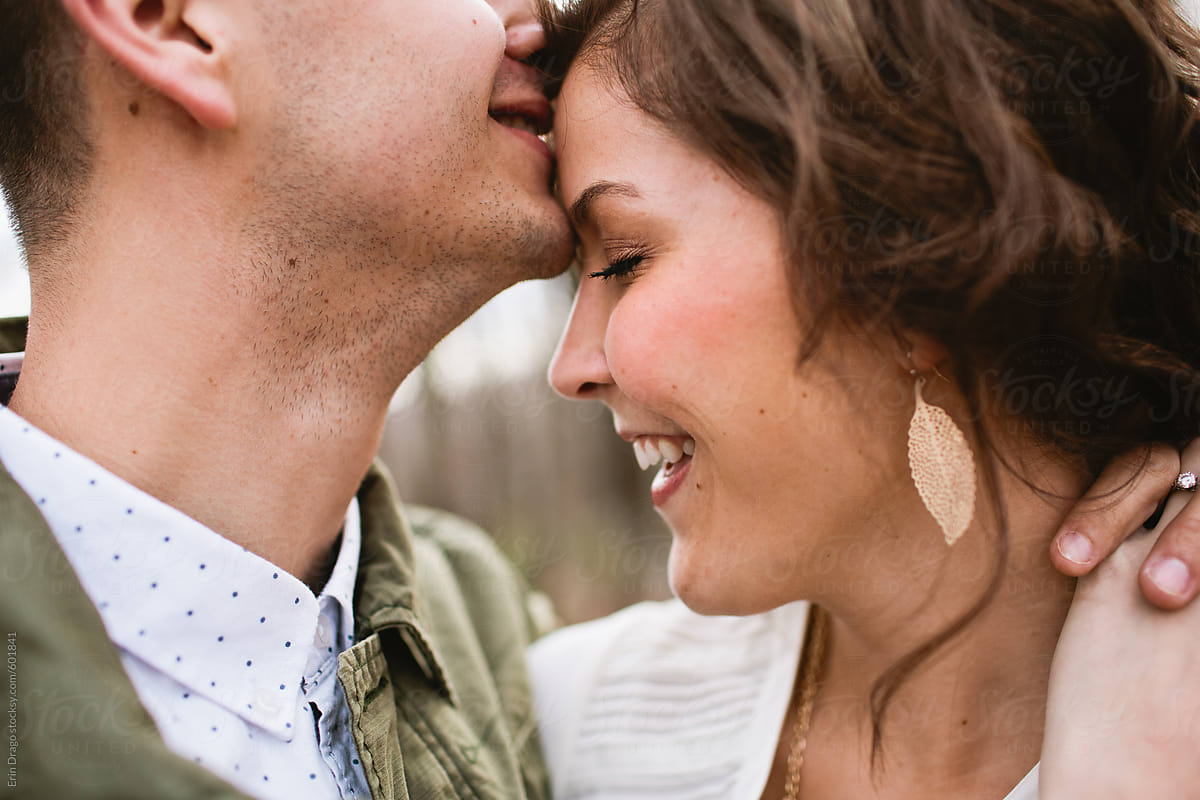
(692, 342)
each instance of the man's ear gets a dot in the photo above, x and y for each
(173, 46)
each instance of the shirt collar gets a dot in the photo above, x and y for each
(222, 621)
(385, 595)
(339, 588)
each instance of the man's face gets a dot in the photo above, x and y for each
(396, 129)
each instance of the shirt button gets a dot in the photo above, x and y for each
(324, 633)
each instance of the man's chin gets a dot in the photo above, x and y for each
(546, 247)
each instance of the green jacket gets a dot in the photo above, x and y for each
(437, 685)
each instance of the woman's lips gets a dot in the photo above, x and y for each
(668, 480)
(674, 451)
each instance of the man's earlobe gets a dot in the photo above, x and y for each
(172, 46)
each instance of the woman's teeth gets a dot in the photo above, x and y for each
(671, 452)
(649, 450)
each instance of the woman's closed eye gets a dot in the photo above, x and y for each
(621, 265)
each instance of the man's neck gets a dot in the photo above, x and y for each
(277, 484)
(207, 403)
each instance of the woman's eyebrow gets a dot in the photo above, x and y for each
(580, 210)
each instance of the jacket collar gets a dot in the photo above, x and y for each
(387, 595)
(12, 343)
(12, 334)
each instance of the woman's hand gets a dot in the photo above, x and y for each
(1112, 511)
(1123, 714)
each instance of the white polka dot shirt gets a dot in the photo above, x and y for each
(234, 658)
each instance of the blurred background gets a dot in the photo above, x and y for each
(477, 431)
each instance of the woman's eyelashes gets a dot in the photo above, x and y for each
(621, 265)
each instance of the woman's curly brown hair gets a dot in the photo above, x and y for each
(1017, 179)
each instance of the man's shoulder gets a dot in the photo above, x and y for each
(486, 578)
(80, 725)
(469, 615)
(454, 535)
(447, 571)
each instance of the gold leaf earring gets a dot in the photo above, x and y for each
(942, 465)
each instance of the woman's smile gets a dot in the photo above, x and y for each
(683, 326)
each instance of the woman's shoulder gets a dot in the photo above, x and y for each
(657, 641)
(657, 696)
(665, 629)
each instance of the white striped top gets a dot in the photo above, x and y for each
(657, 702)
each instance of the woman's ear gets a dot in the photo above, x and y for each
(172, 46)
(925, 354)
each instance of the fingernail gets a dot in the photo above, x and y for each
(1075, 547)
(1171, 575)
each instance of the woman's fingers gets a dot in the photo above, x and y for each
(1168, 576)
(1124, 496)
(1123, 711)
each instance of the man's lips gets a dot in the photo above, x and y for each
(525, 134)
(528, 114)
(525, 112)
(518, 100)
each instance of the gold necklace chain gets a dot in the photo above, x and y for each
(810, 667)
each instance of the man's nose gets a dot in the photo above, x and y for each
(523, 29)
(579, 370)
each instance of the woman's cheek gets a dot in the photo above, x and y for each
(652, 347)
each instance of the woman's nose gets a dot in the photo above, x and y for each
(579, 370)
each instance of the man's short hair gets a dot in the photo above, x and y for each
(45, 153)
